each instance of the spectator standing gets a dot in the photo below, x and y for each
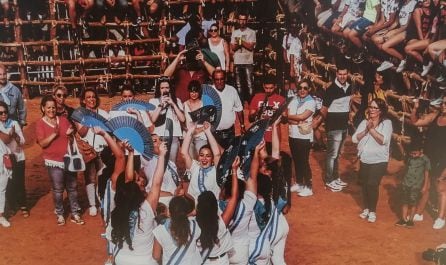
(231, 104)
(264, 104)
(219, 46)
(300, 118)
(335, 109)
(12, 96)
(373, 137)
(292, 52)
(415, 182)
(243, 41)
(53, 136)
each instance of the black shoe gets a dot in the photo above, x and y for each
(410, 224)
(359, 58)
(401, 223)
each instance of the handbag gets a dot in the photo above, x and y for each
(305, 128)
(86, 150)
(73, 159)
(9, 161)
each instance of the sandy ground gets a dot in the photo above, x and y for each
(324, 228)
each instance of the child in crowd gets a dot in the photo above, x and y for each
(415, 183)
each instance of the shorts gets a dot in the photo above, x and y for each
(348, 19)
(323, 17)
(410, 195)
(329, 23)
(361, 25)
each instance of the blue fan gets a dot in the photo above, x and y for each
(278, 112)
(135, 104)
(210, 97)
(132, 130)
(249, 141)
(207, 113)
(89, 118)
(226, 160)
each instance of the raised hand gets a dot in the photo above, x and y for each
(128, 146)
(236, 163)
(98, 130)
(163, 148)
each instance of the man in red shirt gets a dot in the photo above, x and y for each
(264, 104)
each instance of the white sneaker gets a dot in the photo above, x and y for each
(439, 223)
(297, 188)
(364, 214)
(92, 211)
(418, 217)
(333, 186)
(440, 78)
(4, 222)
(427, 68)
(306, 192)
(401, 66)
(340, 182)
(384, 66)
(372, 217)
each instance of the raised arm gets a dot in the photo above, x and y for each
(216, 151)
(154, 193)
(186, 144)
(423, 121)
(275, 143)
(232, 202)
(170, 70)
(129, 168)
(251, 183)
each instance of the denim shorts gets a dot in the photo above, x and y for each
(329, 22)
(361, 25)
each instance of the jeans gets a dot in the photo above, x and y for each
(370, 176)
(15, 192)
(335, 139)
(61, 180)
(243, 74)
(300, 151)
(3, 183)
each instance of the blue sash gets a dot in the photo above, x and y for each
(179, 253)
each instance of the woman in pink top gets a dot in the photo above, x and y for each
(53, 135)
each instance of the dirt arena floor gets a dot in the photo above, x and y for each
(324, 228)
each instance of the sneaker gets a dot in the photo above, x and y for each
(60, 220)
(364, 214)
(92, 211)
(418, 217)
(306, 192)
(438, 224)
(401, 66)
(4, 222)
(137, 22)
(440, 78)
(297, 188)
(384, 66)
(427, 68)
(333, 186)
(77, 219)
(340, 182)
(401, 223)
(359, 58)
(372, 217)
(347, 56)
(410, 224)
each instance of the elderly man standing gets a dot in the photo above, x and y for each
(231, 104)
(243, 41)
(12, 96)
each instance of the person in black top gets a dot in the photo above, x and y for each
(335, 109)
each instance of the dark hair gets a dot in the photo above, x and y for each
(84, 92)
(218, 71)
(44, 100)
(382, 106)
(207, 219)
(207, 146)
(128, 200)
(341, 66)
(264, 188)
(241, 189)
(165, 79)
(127, 87)
(5, 106)
(269, 79)
(195, 85)
(179, 208)
(416, 143)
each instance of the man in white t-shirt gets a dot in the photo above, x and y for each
(243, 41)
(231, 104)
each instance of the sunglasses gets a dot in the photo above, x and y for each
(304, 87)
(61, 95)
(373, 108)
(3, 112)
(213, 30)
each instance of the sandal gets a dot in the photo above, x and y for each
(25, 212)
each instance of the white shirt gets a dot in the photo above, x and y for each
(295, 108)
(239, 233)
(243, 55)
(225, 241)
(170, 113)
(406, 12)
(163, 236)
(369, 150)
(149, 166)
(231, 104)
(15, 147)
(209, 180)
